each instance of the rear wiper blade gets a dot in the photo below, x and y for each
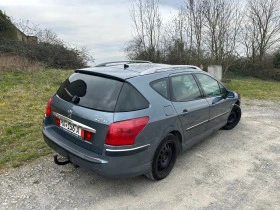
(75, 99)
(68, 92)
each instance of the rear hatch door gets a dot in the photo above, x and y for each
(86, 103)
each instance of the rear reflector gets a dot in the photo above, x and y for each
(87, 135)
(57, 121)
(48, 109)
(125, 132)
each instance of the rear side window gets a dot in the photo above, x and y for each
(184, 88)
(160, 86)
(130, 100)
(91, 91)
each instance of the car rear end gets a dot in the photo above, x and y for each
(80, 124)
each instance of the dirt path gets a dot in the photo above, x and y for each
(237, 169)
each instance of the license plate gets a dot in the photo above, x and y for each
(72, 128)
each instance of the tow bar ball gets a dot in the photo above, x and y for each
(58, 162)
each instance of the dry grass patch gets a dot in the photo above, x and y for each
(12, 62)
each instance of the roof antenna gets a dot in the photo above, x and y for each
(125, 66)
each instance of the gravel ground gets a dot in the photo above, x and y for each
(237, 169)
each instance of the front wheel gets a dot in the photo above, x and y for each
(164, 158)
(233, 118)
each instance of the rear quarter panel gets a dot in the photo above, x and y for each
(163, 117)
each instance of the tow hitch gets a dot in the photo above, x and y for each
(60, 162)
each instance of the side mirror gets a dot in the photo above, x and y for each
(229, 94)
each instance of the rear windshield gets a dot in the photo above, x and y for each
(91, 91)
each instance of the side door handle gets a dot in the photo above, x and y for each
(185, 111)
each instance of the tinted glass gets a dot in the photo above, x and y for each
(160, 86)
(130, 100)
(184, 88)
(91, 91)
(209, 85)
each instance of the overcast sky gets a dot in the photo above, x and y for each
(103, 26)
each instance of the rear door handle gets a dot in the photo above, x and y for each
(185, 111)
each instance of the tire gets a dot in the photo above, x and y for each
(233, 118)
(164, 158)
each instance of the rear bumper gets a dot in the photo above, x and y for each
(113, 163)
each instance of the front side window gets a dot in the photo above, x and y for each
(223, 89)
(184, 88)
(210, 86)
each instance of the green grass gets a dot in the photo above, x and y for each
(252, 88)
(24, 96)
(23, 99)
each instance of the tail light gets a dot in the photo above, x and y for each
(86, 135)
(48, 109)
(125, 132)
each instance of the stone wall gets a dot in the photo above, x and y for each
(215, 71)
(24, 38)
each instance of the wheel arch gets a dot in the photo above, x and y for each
(179, 137)
(237, 102)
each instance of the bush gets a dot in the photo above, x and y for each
(7, 29)
(51, 55)
(56, 56)
(263, 70)
(51, 51)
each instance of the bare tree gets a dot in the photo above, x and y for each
(193, 11)
(48, 36)
(147, 22)
(31, 29)
(174, 40)
(222, 28)
(262, 27)
(26, 26)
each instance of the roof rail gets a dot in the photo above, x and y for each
(117, 62)
(167, 68)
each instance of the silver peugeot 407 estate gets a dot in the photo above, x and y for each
(128, 118)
